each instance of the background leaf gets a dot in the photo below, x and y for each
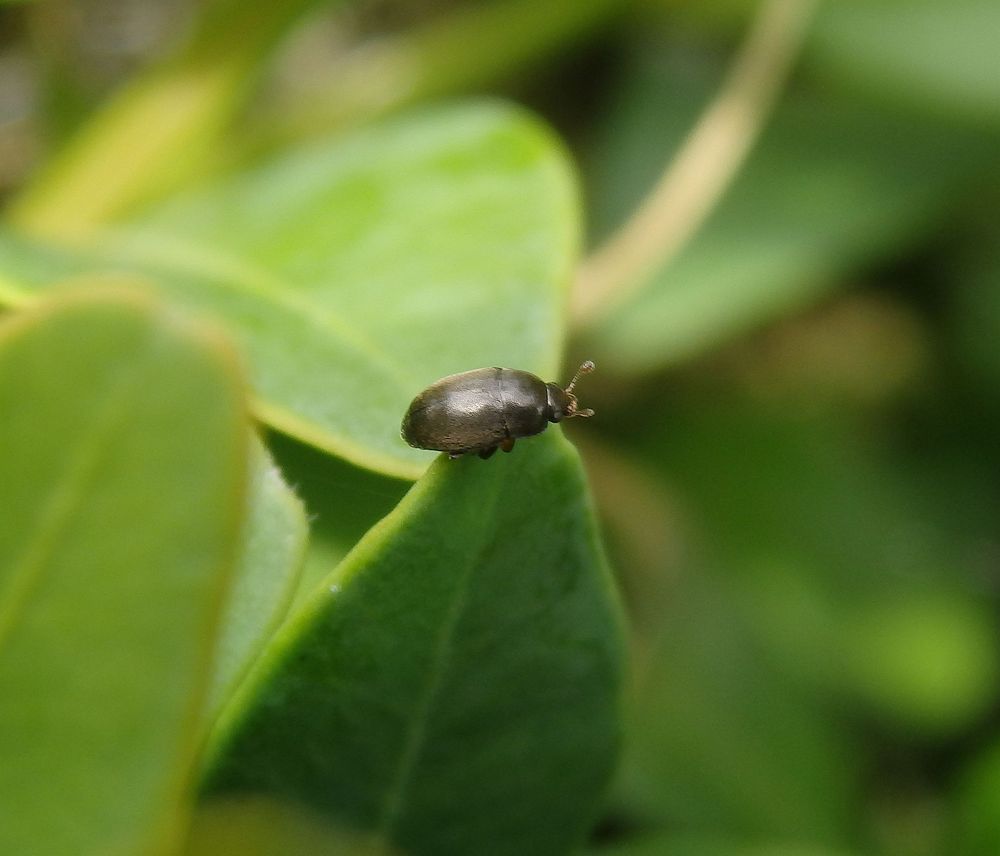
(357, 272)
(711, 845)
(772, 767)
(850, 560)
(262, 827)
(932, 57)
(460, 671)
(273, 546)
(829, 188)
(343, 503)
(110, 592)
(977, 800)
(160, 128)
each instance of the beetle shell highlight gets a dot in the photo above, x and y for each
(485, 409)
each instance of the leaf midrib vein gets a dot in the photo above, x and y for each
(67, 495)
(184, 257)
(416, 733)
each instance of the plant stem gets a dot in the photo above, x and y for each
(698, 175)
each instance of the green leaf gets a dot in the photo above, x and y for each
(122, 484)
(721, 741)
(356, 272)
(827, 570)
(974, 295)
(672, 844)
(937, 59)
(454, 688)
(925, 662)
(267, 575)
(262, 827)
(343, 503)
(976, 800)
(934, 57)
(831, 187)
(847, 559)
(22, 268)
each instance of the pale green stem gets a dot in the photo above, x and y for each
(698, 175)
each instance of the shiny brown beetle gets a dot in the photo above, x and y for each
(487, 409)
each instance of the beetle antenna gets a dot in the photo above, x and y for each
(586, 368)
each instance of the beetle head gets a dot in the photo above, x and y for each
(562, 403)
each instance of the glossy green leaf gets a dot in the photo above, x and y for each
(357, 271)
(831, 187)
(122, 484)
(454, 687)
(267, 576)
(343, 503)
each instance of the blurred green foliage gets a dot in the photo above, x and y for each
(795, 457)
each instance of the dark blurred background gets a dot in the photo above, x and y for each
(797, 452)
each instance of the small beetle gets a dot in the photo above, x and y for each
(487, 409)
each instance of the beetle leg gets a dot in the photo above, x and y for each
(507, 444)
(485, 453)
(453, 455)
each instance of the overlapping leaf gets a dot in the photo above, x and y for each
(343, 502)
(272, 552)
(356, 272)
(122, 485)
(454, 687)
